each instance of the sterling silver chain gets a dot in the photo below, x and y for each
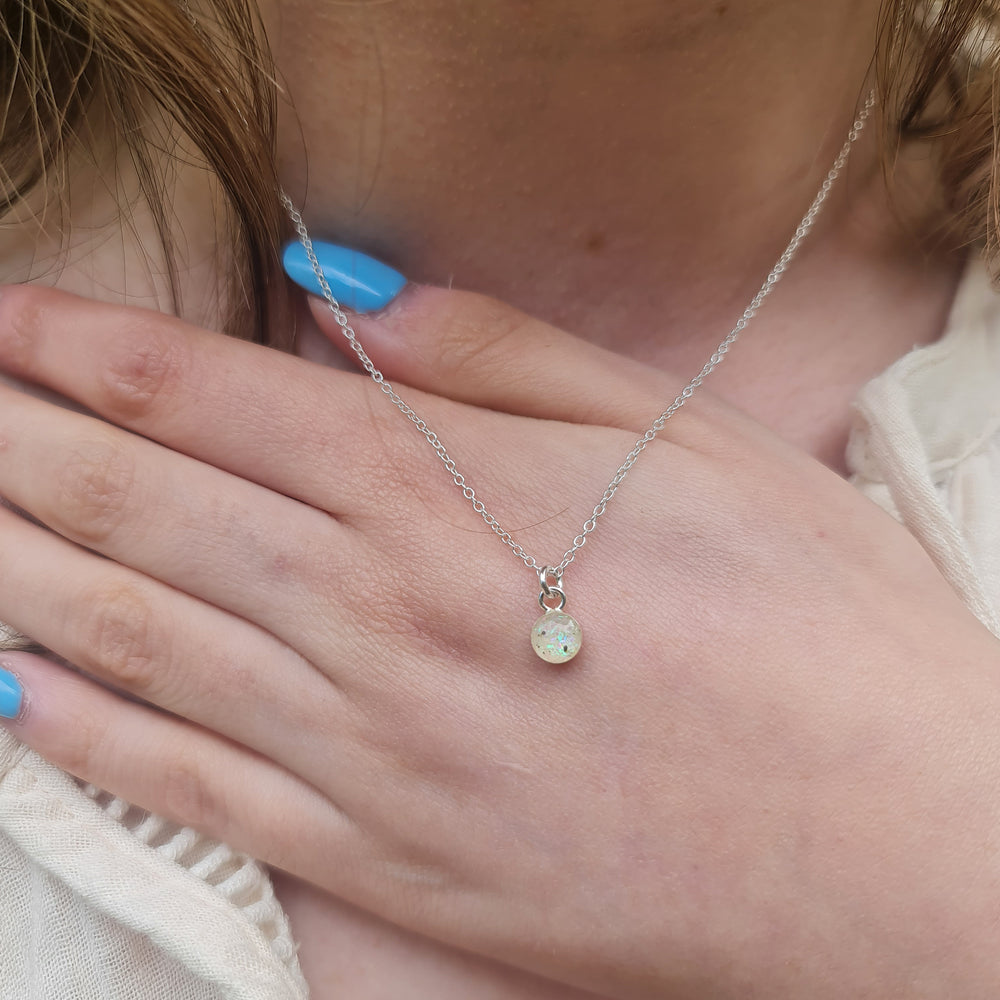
(550, 577)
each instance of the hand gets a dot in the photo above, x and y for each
(769, 771)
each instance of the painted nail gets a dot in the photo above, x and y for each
(358, 282)
(11, 695)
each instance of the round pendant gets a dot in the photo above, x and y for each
(556, 637)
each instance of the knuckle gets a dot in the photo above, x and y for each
(186, 794)
(477, 346)
(120, 641)
(82, 747)
(144, 368)
(23, 314)
(96, 480)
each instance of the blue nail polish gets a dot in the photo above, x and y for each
(11, 695)
(358, 282)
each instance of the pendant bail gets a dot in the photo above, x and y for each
(556, 637)
(550, 581)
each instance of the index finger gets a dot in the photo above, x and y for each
(263, 415)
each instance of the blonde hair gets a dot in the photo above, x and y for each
(937, 64)
(154, 73)
(211, 79)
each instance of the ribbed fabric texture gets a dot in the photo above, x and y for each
(102, 901)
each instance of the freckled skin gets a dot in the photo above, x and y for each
(627, 170)
(480, 144)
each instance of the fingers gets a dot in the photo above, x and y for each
(165, 514)
(142, 637)
(265, 416)
(475, 349)
(178, 770)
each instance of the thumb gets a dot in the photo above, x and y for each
(474, 349)
(477, 350)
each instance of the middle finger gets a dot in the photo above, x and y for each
(171, 517)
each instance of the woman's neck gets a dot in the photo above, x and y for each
(628, 171)
(571, 157)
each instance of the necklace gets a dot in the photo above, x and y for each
(556, 636)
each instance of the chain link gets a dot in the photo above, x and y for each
(544, 570)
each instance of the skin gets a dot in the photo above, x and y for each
(627, 172)
(574, 824)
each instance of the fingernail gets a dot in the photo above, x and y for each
(358, 282)
(11, 695)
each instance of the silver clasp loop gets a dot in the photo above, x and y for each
(547, 573)
(550, 581)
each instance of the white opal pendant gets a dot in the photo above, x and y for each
(556, 637)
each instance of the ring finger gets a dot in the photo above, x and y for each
(140, 636)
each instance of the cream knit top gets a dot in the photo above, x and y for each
(103, 901)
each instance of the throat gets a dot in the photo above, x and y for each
(840, 321)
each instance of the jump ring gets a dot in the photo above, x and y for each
(552, 592)
(543, 578)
